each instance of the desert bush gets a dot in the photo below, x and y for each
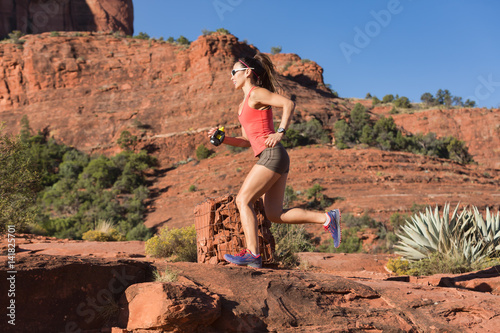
(402, 102)
(289, 197)
(15, 37)
(203, 152)
(223, 31)
(183, 41)
(388, 98)
(375, 101)
(139, 232)
(80, 190)
(276, 49)
(351, 243)
(290, 239)
(20, 183)
(319, 200)
(168, 275)
(126, 140)
(142, 35)
(305, 133)
(385, 135)
(104, 232)
(180, 243)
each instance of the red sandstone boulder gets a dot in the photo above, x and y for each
(37, 16)
(168, 306)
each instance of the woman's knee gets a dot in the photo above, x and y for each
(242, 201)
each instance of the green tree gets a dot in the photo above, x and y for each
(223, 31)
(402, 102)
(126, 140)
(203, 152)
(359, 118)
(375, 100)
(276, 49)
(388, 98)
(19, 184)
(343, 134)
(183, 40)
(142, 35)
(427, 99)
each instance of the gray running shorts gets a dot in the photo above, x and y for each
(275, 159)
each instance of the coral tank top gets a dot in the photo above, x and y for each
(257, 125)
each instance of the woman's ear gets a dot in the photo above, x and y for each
(248, 72)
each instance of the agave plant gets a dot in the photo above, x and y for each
(466, 235)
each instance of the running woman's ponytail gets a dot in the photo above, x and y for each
(263, 70)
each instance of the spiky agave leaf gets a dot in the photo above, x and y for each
(461, 235)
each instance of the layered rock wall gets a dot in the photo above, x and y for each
(37, 16)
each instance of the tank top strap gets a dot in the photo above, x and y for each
(248, 96)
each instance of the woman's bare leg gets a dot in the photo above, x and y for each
(273, 203)
(258, 181)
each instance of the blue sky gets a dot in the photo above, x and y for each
(405, 47)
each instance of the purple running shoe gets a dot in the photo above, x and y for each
(334, 226)
(245, 258)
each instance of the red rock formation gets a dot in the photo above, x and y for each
(67, 293)
(219, 230)
(37, 16)
(168, 307)
(87, 90)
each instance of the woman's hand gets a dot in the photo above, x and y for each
(212, 131)
(273, 139)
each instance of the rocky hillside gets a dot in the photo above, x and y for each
(106, 287)
(34, 16)
(86, 90)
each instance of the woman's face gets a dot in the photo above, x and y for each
(238, 75)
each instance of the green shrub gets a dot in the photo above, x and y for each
(126, 140)
(203, 152)
(168, 275)
(183, 41)
(388, 98)
(223, 31)
(80, 190)
(319, 200)
(142, 35)
(180, 243)
(385, 135)
(375, 101)
(55, 34)
(15, 37)
(192, 188)
(20, 183)
(350, 242)
(289, 196)
(236, 150)
(104, 232)
(397, 220)
(139, 232)
(276, 49)
(302, 134)
(402, 102)
(99, 236)
(290, 239)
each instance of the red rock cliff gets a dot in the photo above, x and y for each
(37, 16)
(89, 89)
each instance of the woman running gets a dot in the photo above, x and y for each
(256, 78)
